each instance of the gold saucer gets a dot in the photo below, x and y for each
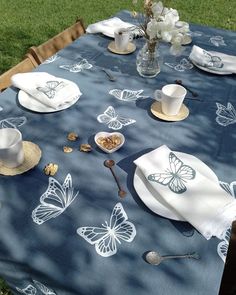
(32, 155)
(131, 48)
(157, 112)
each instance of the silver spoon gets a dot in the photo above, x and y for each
(155, 258)
(109, 164)
(109, 75)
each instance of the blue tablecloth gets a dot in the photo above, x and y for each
(39, 256)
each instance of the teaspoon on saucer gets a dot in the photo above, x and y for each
(109, 164)
(154, 258)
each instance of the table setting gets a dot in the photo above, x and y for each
(130, 179)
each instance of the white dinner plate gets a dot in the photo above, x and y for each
(153, 200)
(30, 103)
(209, 70)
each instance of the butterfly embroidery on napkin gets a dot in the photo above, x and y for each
(55, 200)
(113, 120)
(13, 122)
(176, 176)
(183, 65)
(225, 115)
(51, 88)
(212, 61)
(127, 95)
(78, 67)
(106, 237)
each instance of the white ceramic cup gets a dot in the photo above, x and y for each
(171, 97)
(11, 147)
(122, 39)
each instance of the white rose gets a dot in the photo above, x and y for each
(157, 9)
(152, 29)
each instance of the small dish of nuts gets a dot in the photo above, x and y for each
(109, 142)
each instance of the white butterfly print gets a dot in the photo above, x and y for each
(29, 290)
(222, 247)
(55, 200)
(212, 61)
(51, 88)
(196, 34)
(105, 238)
(127, 95)
(51, 59)
(13, 122)
(183, 65)
(78, 67)
(176, 176)
(217, 41)
(45, 290)
(113, 120)
(225, 115)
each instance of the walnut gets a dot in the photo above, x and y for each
(72, 136)
(85, 148)
(109, 142)
(50, 169)
(67, 149)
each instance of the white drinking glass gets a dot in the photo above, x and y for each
(171, 97)
(11, 147)
(122, 39)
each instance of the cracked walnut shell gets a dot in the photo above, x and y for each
(72, 136)
(85, 148)
(50, 169)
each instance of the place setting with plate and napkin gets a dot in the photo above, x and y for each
(180, 186)
(45, 93)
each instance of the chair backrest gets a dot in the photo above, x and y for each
(61, 40)
(26, 65)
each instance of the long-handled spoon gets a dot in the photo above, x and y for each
(109, 75)
(155, 258)
(109, 164)
(181, 83)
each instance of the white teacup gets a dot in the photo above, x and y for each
(122, 39)
(171, 97)
(11, 148)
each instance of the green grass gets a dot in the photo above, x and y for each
(31, 22)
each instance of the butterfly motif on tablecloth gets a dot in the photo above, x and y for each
(127, 95)
(182, 66)
(51, 59)
(31, 290)
(212, 61)
(222, 247)
(51, 88)
(13, 122)
(105, 238)
(225, 115)
(176, 176)
(217, 41)
(55, 200)
(113, 120)
(77, 67)
(196, 33)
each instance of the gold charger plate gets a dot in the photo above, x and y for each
(157, 112)
(131, 48)
(32, 155)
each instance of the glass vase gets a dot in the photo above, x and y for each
(147, 60)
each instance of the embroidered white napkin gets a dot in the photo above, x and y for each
(108, 27)
(200, 201)
(216, 61)
(48, 89)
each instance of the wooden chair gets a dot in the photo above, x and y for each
(61, 40)
(26, 65)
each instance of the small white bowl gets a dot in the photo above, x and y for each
(107, 134)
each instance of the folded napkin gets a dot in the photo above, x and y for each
(49, 90)
(216, 61)
(108, 27)
(200, 201)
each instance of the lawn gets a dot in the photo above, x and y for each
(31, 22)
